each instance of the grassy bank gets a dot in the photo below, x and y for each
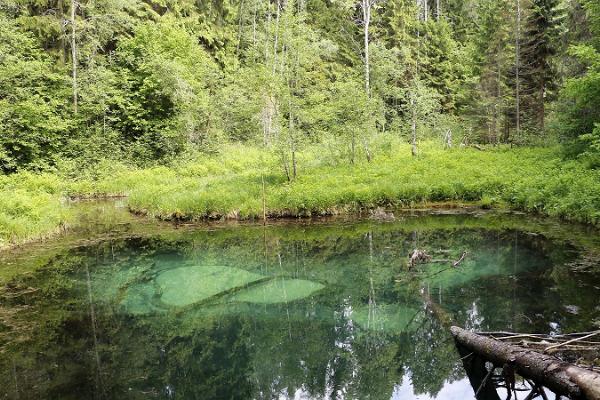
(31, 207)
(530, 179)
(229, 185)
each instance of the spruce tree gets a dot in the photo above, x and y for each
(541, 45)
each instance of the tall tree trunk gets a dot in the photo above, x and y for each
(63, 34)
(438, 10)
(74, 54)
(267, 28)
(498, 100)
(291, 134)
(518, 70)
(254, 23)
(542, 112)
(366, 8)
(286, 166)
(294, 163)
(414, 125)
(239, 41)
(352, 148)
(276, 40)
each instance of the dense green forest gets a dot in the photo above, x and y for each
(193, 107)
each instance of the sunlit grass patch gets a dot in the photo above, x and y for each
(30, 207)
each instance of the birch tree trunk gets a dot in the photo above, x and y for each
(366, 8)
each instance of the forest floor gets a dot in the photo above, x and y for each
(230, 185)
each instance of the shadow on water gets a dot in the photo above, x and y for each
(311, 310)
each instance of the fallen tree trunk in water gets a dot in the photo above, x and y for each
(560, 377)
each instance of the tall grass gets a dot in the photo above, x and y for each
(229, 185)
(30, 207)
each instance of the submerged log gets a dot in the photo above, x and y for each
(560, 377)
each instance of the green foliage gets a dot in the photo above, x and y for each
(186, 106)
(229, 185)
(30, 207)
(164, 82)
(34, 104)
(578, 118)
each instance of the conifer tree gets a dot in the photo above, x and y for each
(541, 45)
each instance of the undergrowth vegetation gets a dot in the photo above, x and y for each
(528, 179)
(230, 185)
(31, 207)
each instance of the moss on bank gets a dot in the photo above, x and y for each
(229, 185)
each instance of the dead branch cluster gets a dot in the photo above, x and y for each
(418, 256)
(580, 348)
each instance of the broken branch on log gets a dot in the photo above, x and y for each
(571, 341)
(561, 377)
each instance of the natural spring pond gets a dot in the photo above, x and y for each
(303, 310)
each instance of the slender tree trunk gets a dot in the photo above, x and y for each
(352, 148)
(542, 108)
(366, 6)
(438, 10)
(414, 125)
(291, 134)
(498, 100)
(264, 205)
(267, 28)
(518, 70)
(277, 15)
(425, 10)
(294, 163)
(413, 101)
(286, 166)
(254, 24)
(74, 54)
(63, 38)
(239, 41)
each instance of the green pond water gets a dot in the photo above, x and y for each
(304, 310)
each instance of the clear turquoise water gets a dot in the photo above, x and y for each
(291, 311)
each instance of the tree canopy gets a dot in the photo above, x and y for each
(149, 80)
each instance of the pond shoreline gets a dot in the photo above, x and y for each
(121, 214)
(141, 216)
